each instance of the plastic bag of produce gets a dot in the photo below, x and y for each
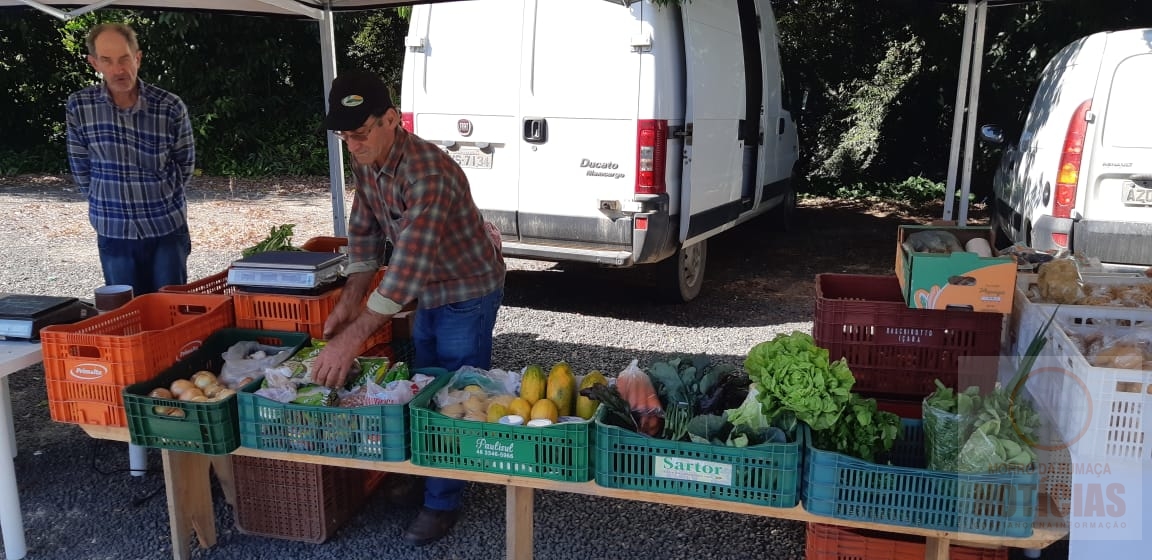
(947, 424)
(491, 382)
(249, 358)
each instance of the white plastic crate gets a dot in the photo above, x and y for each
(1027, 317)
(1103, 413)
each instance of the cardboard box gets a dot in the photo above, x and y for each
(959, 280)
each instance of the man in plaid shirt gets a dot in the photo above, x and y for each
(409, 192)
(131, 151)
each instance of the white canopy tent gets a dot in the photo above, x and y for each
(967, 90)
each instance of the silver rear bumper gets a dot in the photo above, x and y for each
(1114, 242)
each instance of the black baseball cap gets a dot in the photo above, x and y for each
(354, 97)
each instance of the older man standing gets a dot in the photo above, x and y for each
(131, 151)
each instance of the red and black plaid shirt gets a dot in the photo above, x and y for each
(420, 200)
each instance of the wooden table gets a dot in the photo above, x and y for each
(186, 478)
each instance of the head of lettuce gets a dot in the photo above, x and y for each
(790, 374)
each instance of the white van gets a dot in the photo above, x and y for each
(1080, 177)
(609, 132)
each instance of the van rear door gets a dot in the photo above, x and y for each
(1119, 172)
(579, 95)
(462, 78)
(715, 55)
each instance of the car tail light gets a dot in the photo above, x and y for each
(1068, 174)
(407, 120)
(651, 156)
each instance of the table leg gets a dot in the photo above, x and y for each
(6, 397)
(11, 520)
(518, 521)
(222, 466)
(937, 549)
(189, 490)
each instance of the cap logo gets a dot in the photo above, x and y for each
(352, 101)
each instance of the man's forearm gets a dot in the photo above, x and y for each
(356, 288)
(366, 324)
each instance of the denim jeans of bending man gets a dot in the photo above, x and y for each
(146, 264)
(451, 336)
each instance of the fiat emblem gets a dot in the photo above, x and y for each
(464, 126)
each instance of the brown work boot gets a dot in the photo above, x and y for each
(430, 526)
(404, 490)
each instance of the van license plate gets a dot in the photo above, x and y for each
(471, 158)
(1138, 193)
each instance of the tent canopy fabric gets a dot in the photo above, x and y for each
(298, 8)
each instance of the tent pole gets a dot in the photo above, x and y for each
(958, 109)
(973, 104)
(335, 150)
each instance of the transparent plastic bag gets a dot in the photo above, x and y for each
(944, 435)
(491, 382)
(249, 358)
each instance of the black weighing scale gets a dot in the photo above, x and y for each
(22, 316)
(288, 271)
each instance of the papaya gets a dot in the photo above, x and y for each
(545, 408)
(496, 411)
(533, 384)
(520, 407)
(562, 388)
(586, 407)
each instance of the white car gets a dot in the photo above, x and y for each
(1080, 175)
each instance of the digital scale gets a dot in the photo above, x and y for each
(288, 270)
(22, 316)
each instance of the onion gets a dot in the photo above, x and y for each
(161, 393)
(203, 379)
(191, 393)
(180, 386)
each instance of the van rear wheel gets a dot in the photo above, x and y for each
(682, 275)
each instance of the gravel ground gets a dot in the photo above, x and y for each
(79, 503)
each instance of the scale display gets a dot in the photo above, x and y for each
(22, 316)
(287, 269)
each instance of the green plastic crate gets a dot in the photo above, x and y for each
(557, 452)
(375, 433)
(210, 428)
(905, 493)
(767, 474)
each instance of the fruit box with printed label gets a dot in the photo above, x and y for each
(767, 474)
(957, 280)
(560, 451)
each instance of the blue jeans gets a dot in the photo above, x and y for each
(451, 336)
(146, 264)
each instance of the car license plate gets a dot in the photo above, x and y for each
(471, 158)
(1137, 193)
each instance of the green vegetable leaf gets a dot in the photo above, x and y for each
(793, 374)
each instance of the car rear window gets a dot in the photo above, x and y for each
(1128, 123)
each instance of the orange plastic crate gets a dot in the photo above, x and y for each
(279, 312)
(325, 244)
(86, 364)
(216, 284)
(829, 542)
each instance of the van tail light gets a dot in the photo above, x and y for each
(1068, 174)
(651, 156)
(408, 122)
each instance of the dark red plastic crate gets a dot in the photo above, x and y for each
(893, 350)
